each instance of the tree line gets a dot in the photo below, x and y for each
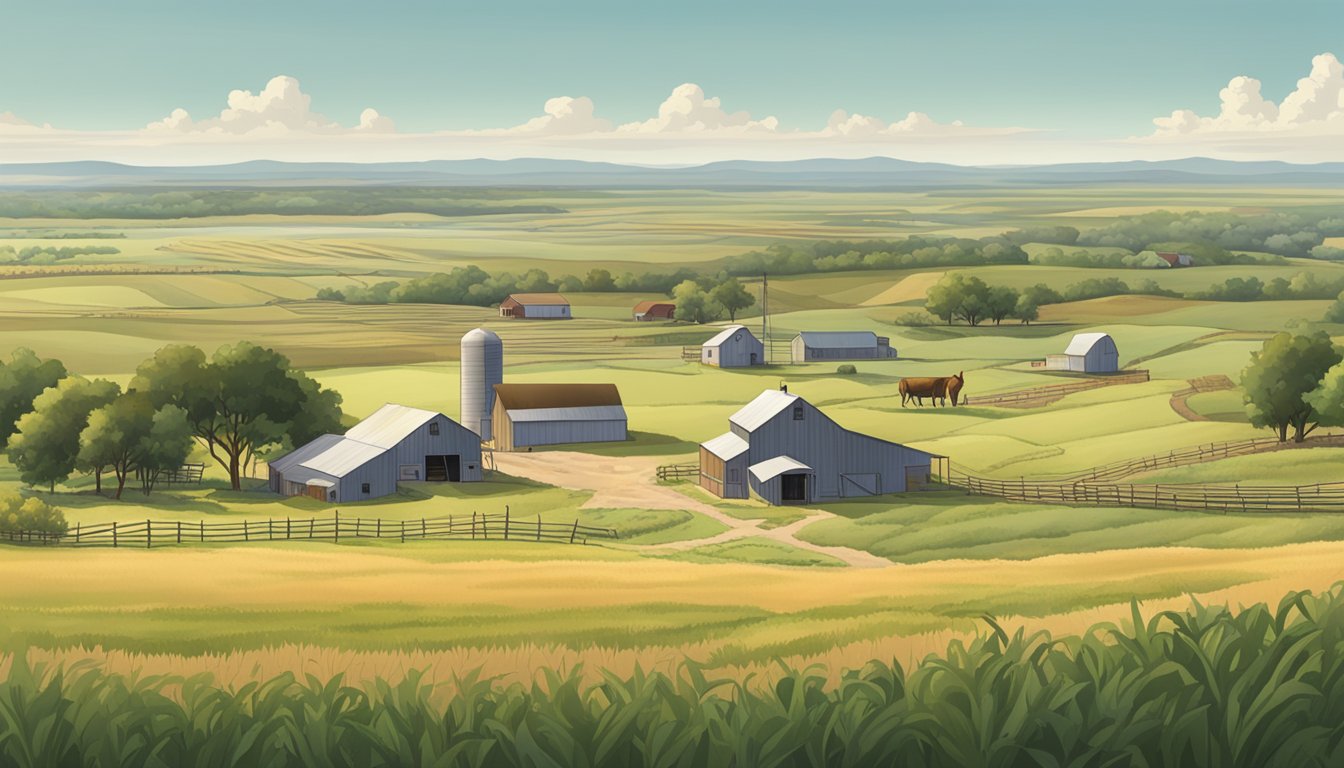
(233, 403)
(915, 251)
(473, 286)
(1285, 233)
(37, 254)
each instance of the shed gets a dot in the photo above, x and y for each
(554, 414)
(786, 451)
(811, 346)
(733, 347)
(646, 311)
(394, 444)
(1087, 353)
(535, 306)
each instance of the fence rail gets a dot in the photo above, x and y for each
(672, 472)
(155, 533)
(1052, 392)
(1195, 455)
(1322, 497)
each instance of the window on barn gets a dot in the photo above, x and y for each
(364, 488)
(734, 475)
(797, 413)
(433, 427)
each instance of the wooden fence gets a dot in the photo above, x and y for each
(155, 533)
(1187, 456)
(675, 472)
(1322, 497)
(1052, 392)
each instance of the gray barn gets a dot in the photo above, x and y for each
(1087, 353)
(733, 347)
(394, 444)
(786, 451)
(555, 414)
(811, 346)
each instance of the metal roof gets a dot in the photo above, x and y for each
(765, 407)
(586, 413)
(343, 457)
(543, 299)
(727, 446)
(303, 452)
(1083, 343)
(839, 339)
(777, 466)
(530, 396)
(724, 335)
(389, 425)
(320, 483)
(645, 306)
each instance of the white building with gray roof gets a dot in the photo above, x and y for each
(733, 347)
(821, 346)
(395, 444)
(784, 450)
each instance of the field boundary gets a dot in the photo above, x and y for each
(146, 534)
(1044, 395)
(1321, 497)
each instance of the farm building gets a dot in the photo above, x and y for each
(810, 346)
(1087, 353)
(784, 450)
(552, 414)
(733, 347)
(482, 368)
(535, 306)
(1176, 259)
(396, 443)
(646, 311)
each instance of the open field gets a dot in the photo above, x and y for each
(691, 576)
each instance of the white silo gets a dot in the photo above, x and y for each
(482, 369)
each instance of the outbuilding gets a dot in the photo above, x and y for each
(733, 347)
(785, 450)
(395, 444)
(527, 415)
(535, 306)
(646, 311)
(1087, 353)
(813, 346)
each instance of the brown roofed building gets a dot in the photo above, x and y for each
(540, 306)
(1174, 259)
(552, 414)
(654, 310)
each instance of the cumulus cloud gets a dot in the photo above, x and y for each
(1315, 106)
(688, 111)
(280, 107)
(565, 116)
(856, 126)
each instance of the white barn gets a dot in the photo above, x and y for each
(733, 347)
(813, 346)
(1087, 353)
(393, 445)
(786, 451)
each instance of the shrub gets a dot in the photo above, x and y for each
(846, 370)
(32, 514)
(915, 319)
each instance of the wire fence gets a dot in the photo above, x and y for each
(147, 534)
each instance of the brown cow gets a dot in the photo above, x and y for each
(935, 388)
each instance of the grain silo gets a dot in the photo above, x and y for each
(482, 369)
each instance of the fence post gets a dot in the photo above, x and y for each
(575, 532)
(378, 528)
(76, 533)
(506, 522)
(473, 524)
(538, 527)
(403, 531)
(312, 524)
(422, 526)
(270, 529)
(336, 531)
(202, 530)
(179, 531)
(246, 535)
(286, 527)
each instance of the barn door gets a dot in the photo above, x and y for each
(868, 484)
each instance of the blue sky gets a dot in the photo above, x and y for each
(1082, 70)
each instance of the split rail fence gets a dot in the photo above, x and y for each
(674, 472)
(1322, 497)
(147, 534)
(1052, 392)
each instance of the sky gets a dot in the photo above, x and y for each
(968, 81)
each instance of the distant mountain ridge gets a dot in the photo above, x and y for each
(872, 172)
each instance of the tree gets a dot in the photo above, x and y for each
(229, 400)
(693, 304)
(1026, 309)
(959, 297)
(1327, 400)
(134, 439)
(22, 379)
(45, 449)
(1335, 312)
(32, 514)
(598, 280)
(732, 296)
(1282, 373)
(1001, 302)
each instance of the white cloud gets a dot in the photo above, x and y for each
(688, 111)
(914, 124)
(565, 116)
(280, 107)
(1315, 107)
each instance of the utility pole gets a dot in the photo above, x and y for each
(765, 316)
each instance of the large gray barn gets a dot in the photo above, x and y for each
(733, 347)
(786, 451)
(812, 346)
(394, 444)
(554, 414)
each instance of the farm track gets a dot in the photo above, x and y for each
(628, 483)
(1180, 401)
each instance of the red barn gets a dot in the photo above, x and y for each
(654, 310)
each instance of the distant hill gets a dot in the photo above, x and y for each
(867, 173)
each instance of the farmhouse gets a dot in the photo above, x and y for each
(552, 414)
(1087, 353)
(535, 306)
(394, 444)
(785, 451)
(810, 346)
(733, 347)
(646, 311)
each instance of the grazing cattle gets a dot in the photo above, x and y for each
(936, 388)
